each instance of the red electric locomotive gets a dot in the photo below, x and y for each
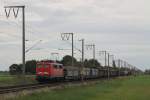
(49, 70)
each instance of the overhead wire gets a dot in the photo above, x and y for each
(76, 47)
(32, 31)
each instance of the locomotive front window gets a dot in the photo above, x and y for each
(55, 66)
(45, 66)
(39, 66)
(60, 66)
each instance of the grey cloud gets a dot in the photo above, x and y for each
(120, 26)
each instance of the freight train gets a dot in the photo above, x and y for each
(50, 71)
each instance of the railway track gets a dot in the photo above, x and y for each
(11, 89)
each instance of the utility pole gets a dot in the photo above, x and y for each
(119, 66)
(105, 58)
(66, 36)
(92, 46)
(120, 63)
(55, 56)
(94, 52)
(105, 53)
(82, 40)
(72, 50)
(112, 59)
(108, 59)
(23, 28)
(125, 64)
(108, 71)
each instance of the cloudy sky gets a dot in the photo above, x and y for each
(118, 26)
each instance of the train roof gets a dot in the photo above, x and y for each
(48, 62)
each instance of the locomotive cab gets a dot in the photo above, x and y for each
(49, 70)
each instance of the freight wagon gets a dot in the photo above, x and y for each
(50, 71)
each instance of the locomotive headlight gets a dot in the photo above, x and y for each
(39, 72)
(45, 72)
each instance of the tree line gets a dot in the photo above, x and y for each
(66, 61)
(147, 72)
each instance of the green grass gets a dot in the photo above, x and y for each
(9, 80)
(131, 88)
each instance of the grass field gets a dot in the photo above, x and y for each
(9, 80)
(131, 88)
